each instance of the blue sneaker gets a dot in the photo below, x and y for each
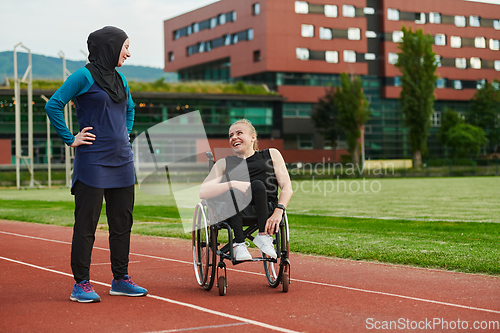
(83, 292)
(126, 287)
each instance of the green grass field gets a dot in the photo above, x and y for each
(450, 223)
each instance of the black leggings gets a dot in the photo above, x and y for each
(88, 205)
(259, 203)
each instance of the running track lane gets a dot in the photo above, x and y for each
(326, 295)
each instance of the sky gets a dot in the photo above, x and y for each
(51, 26)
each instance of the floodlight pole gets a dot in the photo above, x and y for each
(49, 146)
(17, 99)
(68, 151)
(86, 56)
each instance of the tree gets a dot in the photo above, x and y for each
(417, 63)
(353, 112)
(484, 112)
(466, 140)
(343, 110)
(450, 119)
(325, 117)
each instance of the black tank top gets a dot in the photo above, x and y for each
(260, 167)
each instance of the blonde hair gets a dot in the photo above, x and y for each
(252, 130)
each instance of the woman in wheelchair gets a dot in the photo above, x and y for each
(266, 172)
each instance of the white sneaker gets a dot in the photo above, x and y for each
(265, 244)
(241, 252)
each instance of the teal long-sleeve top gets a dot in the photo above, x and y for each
(108, 161)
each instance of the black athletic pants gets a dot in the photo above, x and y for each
(259, 203)
(88, 205)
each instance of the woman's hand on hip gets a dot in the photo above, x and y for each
(83, 138)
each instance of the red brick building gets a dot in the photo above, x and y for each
(299, 48)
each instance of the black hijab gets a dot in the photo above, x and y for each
(105, 46)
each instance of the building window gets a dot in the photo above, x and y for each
(436, 119)
(457, 84)
(397, 36)
(438, 60)
(250, 34)
(301, 7)
(392, 14)
(297, 109)
(480, 84)
(461, 63)
(325, 33)
(208, 46)
(369, 11)
(171, 56)
(480, 42)
(440, 39)
(189, 30)
(233, 16)
(460, 21)
(256, 8)
(213, 22)
(456, 42)
(434, 18)
(332, 56)
(201, 47)
(371, 34)
(235, 38)
(307, 30)
(497, 65)
(196, 27)
(305, 141)
(331, 11)
(494, 44)
(392, 58)
(348, 11)
(222, 19)
(475, 63)
(496, 24)
(354, 33)
(397, 81)
(420, 18)
(440, 83)
(370, 56)
(302, 53)
(349, 56)
(227, 40)
(474, 21)
(256, 56)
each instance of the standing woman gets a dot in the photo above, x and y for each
(103, 165)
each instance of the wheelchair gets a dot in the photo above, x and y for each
(207, 249)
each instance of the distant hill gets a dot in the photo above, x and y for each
(50, 68)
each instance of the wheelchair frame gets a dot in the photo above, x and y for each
(206, 248)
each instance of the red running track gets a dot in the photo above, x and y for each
(326, 294)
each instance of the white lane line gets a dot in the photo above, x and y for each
(192, 306)
(107, 263)
(299, 280)
(199, 328)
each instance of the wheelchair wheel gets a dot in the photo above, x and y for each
(285, 277)
(221, 282)
(286, 282)
(272, 268)
(203, 256)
